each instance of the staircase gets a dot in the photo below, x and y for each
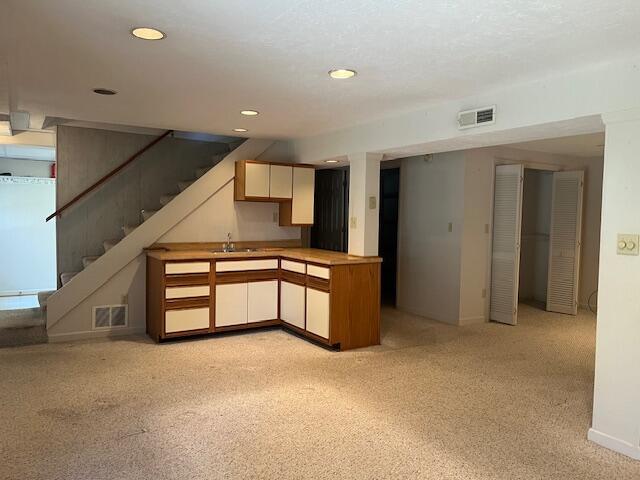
(145, 215)
(25, 326)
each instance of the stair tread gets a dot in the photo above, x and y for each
(127, 229)
(147, 214)
(65, 277)
(165, 199)
(202, 170)
(186, 184)
(86, 261)
(109, 244)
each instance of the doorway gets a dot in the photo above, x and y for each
(331, 204)
(388, 232)
(537, 226)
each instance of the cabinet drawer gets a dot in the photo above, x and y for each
(185, 320)
(244, 265)
(187, 267)
(316, 271)
(187, 292)
(318, 313)
(292, 266)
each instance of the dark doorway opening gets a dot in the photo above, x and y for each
(388, 232)
(331, 204)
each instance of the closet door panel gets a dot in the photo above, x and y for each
(505, 258)
(565, 242)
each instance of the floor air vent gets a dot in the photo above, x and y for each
(110, 316)
(477, 117)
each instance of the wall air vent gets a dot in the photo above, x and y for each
(477, 117)
(110, 316)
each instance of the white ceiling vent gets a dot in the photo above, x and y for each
(110, 316)
(477, 117)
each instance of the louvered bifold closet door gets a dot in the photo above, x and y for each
(565, 244)
(505, 258)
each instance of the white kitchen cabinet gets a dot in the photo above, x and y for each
(292, 304)
(318, 312)
(231, 304)
(262, 301)
(256, 180)
(281, 181)
(302, 196)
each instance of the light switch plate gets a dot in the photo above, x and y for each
(354, 222)
(628, 244)
(372, 203)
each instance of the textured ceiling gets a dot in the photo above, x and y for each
(591, 145)
(220, 57)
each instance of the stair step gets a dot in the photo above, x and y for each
(109, 244)
(165, 199)
(86, 261)
(26, 326)
(127, 229)
(67, 276)
(201, 171)
(184, 185)
(147, 214)
(44, 296)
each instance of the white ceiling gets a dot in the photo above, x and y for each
(578, 145)
(221, 57)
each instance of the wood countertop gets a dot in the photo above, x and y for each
(313, 255)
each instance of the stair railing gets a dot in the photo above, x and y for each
(112, 173)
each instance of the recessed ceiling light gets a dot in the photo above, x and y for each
(147, 33)
(250, 113)
(331, 161)
(342, 73)
(240, 130)
(104, 91)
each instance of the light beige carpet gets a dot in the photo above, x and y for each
(433, 402)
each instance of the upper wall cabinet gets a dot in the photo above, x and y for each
(291, 185)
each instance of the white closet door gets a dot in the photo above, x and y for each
(505, 258)
(564, 242)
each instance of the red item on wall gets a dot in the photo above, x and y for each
(53, 170)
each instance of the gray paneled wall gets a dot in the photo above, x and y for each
(84, 155)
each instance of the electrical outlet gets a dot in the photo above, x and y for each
(628, 244)
(354, 222)
(275, 217)
(372, 203)
(450, 227)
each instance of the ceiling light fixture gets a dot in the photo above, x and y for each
(250, 113)
(104, 91)
(147, 33)
(342, 73)
(240, 130)
(331, 161)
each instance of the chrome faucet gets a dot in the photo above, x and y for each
(228, 246)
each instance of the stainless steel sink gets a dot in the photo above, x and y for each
(234, 250)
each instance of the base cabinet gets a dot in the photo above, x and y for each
(231, 304)
(318, 313)
(292, 304)
(262, 301)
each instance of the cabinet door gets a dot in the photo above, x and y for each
(256, 183)
(185, 320)
(231, 304)
(318, 312)
(263, 301)
(281, 181)
(302, 202)
(292, 304)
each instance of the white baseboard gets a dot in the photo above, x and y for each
(116, 332)
(614, 444)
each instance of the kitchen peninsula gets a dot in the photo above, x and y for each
(328, 297)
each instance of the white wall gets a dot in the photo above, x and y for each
(431, 197)
(20, 167)
(445, 276)
(616, 408)
(27, 243)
